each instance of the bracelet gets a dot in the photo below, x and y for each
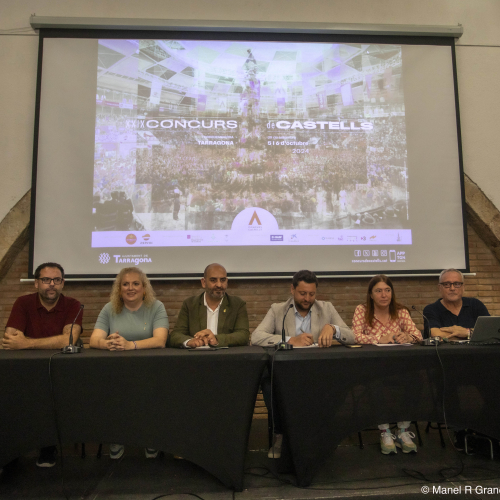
(135, 345)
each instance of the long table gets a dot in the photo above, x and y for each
(196, 404)
(327, 394)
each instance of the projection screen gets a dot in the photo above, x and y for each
(265, 153)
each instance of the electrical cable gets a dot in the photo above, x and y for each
(272, 400)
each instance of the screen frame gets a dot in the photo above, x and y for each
(209, 34)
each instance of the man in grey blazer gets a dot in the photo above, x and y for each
(308, 321)
(311, 321)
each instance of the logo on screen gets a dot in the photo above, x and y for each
(145, 239)
(255, 218)
(104, 258)
(131, 238)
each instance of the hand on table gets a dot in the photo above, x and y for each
(325, 338)
(207, 337)
(387, 339)
(302, 340)
(115, 342)
(15, 340)
(454, 332)
(402, 338)
(195, 343)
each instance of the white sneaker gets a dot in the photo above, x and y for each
(275, 450)
(150, 453)
(387, 446)
(404, 441)
(116, 451)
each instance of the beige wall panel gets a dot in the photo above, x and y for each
(480, 18)
(479, 95)
(18, 61)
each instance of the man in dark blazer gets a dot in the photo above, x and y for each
(213, 318)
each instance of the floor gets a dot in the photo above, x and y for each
(351, 472)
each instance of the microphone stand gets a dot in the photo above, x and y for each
(284, 345)
(73, 349)
(431, 340)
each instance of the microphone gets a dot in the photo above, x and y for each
(431, 340)
(284, 345)
(73, 349)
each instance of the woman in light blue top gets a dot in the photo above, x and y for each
(133, 319)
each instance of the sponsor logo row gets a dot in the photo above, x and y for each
(394, 256)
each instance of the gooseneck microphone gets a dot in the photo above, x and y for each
(422, 314)
(73, 349)
(284, 345)
(431, 340)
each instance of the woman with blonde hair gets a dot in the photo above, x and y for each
(133, 319)
(383, 320)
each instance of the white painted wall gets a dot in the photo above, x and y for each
(478, 61)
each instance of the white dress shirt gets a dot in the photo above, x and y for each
(212, 317)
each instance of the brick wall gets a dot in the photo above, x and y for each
(345, 294)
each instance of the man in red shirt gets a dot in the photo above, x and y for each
(43, 320)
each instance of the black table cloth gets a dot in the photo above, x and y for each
(197, 404)
(26, 410)
(327, 394)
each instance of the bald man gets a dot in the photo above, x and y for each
(213, 318)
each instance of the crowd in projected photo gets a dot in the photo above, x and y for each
(190, 133)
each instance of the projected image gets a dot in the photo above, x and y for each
(252, 139)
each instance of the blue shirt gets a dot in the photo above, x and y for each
(302, 324)
(439, 317)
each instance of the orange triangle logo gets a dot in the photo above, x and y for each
(254, 218)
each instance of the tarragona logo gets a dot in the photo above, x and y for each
(255, 218)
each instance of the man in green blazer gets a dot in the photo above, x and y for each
(212, 318)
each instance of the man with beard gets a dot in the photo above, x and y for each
(43, 320)
(213, 318)
(311, 321)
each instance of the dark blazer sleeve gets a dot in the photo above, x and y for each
(180, 333)
(233, 327)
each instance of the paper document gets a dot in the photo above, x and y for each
(390, 345)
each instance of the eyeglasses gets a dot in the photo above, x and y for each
(48, 281)
(456, 284)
